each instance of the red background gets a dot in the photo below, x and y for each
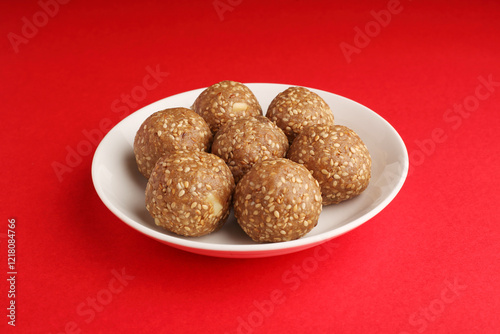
(427, 263)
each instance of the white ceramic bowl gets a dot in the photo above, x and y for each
(121, 187)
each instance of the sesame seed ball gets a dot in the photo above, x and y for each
(277, 200)
(337, 158)
(224, 101)
(242, 142)
(296, 108)
(167, 131)
(189, 193)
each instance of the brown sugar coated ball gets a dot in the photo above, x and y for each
(167, 131)
(296, 108)
(245, 141)
(189, 193)
(224, 101)
(277, 200)
(337, 158)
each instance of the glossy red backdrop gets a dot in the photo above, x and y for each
(73, 69)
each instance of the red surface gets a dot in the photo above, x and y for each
(428, 263)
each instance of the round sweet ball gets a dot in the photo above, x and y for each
(224, 101)
(242, 142)
(337, 158)
(296, 108)
(277, 200)
(167, 131)
(189, 193)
